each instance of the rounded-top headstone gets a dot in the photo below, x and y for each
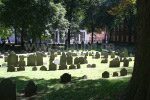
(65, 78)
(30, 89)
(7, 90)
(105, 74)
(43, 68)
(123, 72)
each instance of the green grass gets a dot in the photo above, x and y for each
(94, 88)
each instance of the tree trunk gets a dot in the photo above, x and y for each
(139, 86)
(92, 35)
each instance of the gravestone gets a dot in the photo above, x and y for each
(93, 65)
(39, 58)
(97, 56)
(72, 67)
(126, 63)
(31, 60)
(105, 74)
(30, 89)
(113, 55)
(84, 77)
(11, 69)
(7, 90)
(21, 68)
(62, 67)
(114, 63)
(65, 78)
(34, 68)
(12, 59)
(69, 60)
(89, 66)
(52, 67)
(81, 60)
(43, 68)
(78, 66)
(123, 72)
(115, 74)
(63, 59)
(21, 61)
(76, 60)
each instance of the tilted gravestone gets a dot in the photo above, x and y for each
(31, 60)
(123, 72)
(39, 58)
(65, 78)
(115, 74)
(7, 90)
(114, 63)
(12, 59)
(72, 67)
(52, 67)
(11, 69)
(43, 68)
(30, 89)
(105, 74)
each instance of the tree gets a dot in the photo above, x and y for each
(139, 86)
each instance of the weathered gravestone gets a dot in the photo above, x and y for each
(13, 59)
(30, 89)
(63, 59)
(126, 63)
(105, 74)
(34, 68)
(114, 63)
(39, 58)
(62, 67)
(78, 66)
(11, 69)
(123, 72)
(65, 78)
(31, 60)
(69, 59)
(115, 74)
(112, 54)
(97, 56)
(7, 90)
(21, 61)
(76, 60)
(52, 67)
(81, 60)
(72, 67)
(21, 68)
(43, 68)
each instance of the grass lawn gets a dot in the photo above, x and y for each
(49, 88)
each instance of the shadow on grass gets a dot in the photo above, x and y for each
(78, 89)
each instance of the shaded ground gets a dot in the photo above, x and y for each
(79, 89)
